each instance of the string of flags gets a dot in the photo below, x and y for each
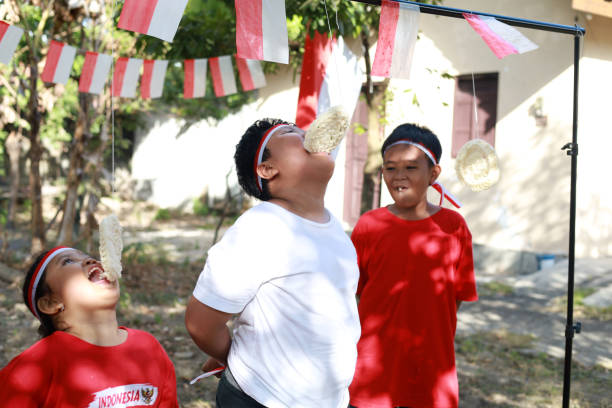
(261, 34)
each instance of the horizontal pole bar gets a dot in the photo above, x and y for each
(513, 21)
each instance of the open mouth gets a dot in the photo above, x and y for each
(96, 274)
(400, 189)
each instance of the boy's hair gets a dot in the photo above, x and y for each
(47, 327)
(417, 134)
(246, 149)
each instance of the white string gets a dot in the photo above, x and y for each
(112, 98)
(474, 104)
(336, 54)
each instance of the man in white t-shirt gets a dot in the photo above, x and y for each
(288, 269)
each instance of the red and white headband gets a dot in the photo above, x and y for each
(436, 185)
(40, 270)
(262, 147)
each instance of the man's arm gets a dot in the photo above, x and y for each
(207, 327)
(458, 303)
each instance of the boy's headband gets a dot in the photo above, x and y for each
(38, 273)
(436, 185)
(260, 150)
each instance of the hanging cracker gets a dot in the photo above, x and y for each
(111, 246)
(327, 131)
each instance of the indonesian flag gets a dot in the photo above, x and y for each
(501, 38)
(251, 74)
(222, 72)
(126, 75)
(95, 72)
(397, 34)
(152, 82)
(194, 85)
(261, 30)
(9, 39)
(330, 76)
(157, 18)
(59, 63)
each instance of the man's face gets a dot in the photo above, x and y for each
(408, 172)
(295, 164)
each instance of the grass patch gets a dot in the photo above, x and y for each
(495, 288)
(582, 311)
(500, 369)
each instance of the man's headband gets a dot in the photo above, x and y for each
(38, 273)
(436, 185)
(262, 147)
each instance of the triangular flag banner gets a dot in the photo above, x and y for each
(261, 30)
(95, 72)
(9, 39)
(222, 72)
(330, 76)
(125, 78)
(153, 75)
(397, 34)
(251, 74)
(157, 18)
(194, 85)
(501, 38)
(58, 63)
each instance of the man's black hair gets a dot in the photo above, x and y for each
(244, 157)
(417, 134)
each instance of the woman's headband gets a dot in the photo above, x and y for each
(436, 185)
(38, 273)
(262, 147)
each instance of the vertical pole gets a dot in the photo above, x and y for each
(573, 152)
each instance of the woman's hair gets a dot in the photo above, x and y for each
(416, 134)
(244, 157)
(47, 327)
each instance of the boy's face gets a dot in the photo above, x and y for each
(408, 172)
(295, 164)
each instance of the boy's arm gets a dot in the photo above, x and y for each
(207, 327)
(458, 303)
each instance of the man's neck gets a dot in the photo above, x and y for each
(304, 204)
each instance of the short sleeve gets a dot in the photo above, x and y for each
(24, 382)
(359, 237)
(465, 281)
(169, 399)
(232, 276)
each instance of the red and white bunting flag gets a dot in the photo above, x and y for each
(157, 18)
(251, 74)
(125, 78)
(501, 38)
(397, 34)
(330, 76)
(261, 30)
(222, 72)
(59, 63)
(95, 72)
(194, 85)
(9, 39)
(153, 75)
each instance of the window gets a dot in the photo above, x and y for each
(464, 121)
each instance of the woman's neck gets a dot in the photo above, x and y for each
(100, 328)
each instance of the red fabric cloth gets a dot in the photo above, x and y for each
(411, 275)
(63, 371)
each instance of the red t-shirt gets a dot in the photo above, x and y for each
(64, 371)
(411, 275)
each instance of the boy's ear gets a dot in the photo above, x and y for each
(435, 173)
(267, 171)
(49, 305)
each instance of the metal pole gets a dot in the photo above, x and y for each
(513, 21)
(572, 150)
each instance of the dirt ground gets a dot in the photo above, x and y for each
(497, 367)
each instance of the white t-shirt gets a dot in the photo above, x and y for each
(293, 281)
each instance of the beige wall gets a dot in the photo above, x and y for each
(529, 208)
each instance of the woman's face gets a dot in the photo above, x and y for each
(77, 281)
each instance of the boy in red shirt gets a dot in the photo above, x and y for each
(416, 267)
